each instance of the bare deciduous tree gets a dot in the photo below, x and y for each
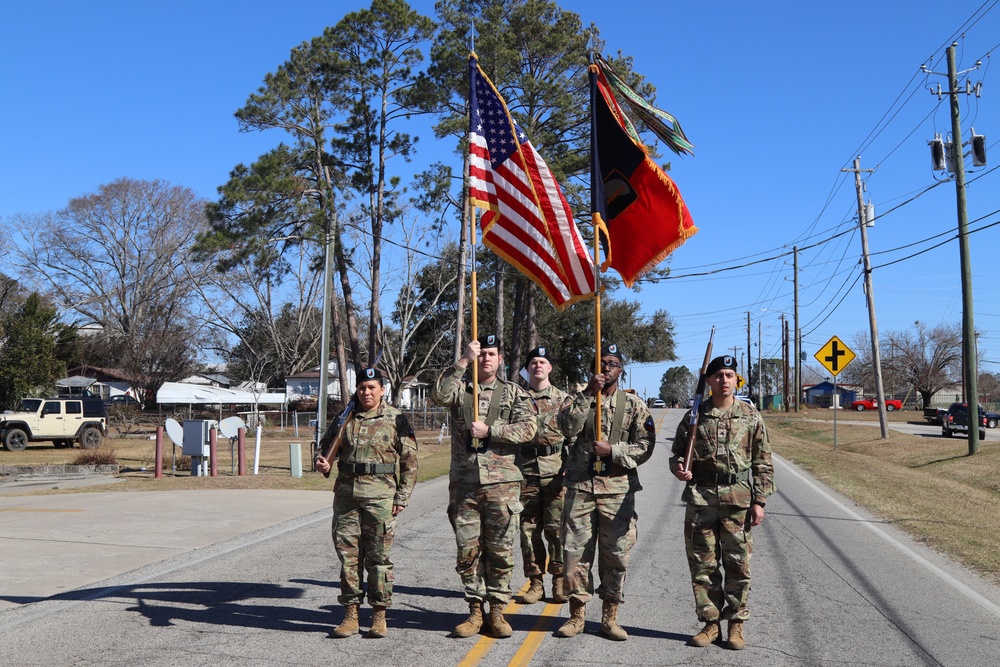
(421, 291)
(928, 359)
(273, 313)
(119, 258)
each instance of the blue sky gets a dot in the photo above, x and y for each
(777, 97)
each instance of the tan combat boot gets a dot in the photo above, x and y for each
(708, 634)
(473, 623)
(535, 593)
(609, 622)
(558, 589)
(501, 628)
(577, 619)
(379, 629)
(349, 626)
(736, 641)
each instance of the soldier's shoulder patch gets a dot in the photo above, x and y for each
(404, 427)
(650, 425)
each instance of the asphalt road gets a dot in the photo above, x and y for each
(832, 586)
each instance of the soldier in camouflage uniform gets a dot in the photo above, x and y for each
(377, 470)
(485, 481)
(542, 493)
(602, 480)
(730, 477)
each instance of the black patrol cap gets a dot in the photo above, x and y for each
(612, 350)
(490, 340)
(370, 374)
(540, 351)
(719, 363)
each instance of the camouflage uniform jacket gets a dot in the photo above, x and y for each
(514, 425)
(733, 442)
(548, 402)
(381, 435)
(635, 446)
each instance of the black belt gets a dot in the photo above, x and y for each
(543, 451)
(721, 478)
(367, 468)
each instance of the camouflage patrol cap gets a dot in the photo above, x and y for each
(490, 340)
(612, 350)
(719, 363)
(370, 374)
(540, 351)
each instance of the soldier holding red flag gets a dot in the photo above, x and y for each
(601, 482)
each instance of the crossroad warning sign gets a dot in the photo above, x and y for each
(835, 356)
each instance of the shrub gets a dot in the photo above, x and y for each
(96, 457)
(125, 418)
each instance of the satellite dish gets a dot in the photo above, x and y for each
(230, 426)
(175, 432)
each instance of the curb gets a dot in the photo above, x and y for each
(64, 471)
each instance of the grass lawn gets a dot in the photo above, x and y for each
(927, 486)
(136, 455)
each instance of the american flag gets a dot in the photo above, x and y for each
(527, 220)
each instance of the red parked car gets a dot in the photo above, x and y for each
(872, 404)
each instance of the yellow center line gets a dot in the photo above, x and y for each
(485, 642)
(531, 643)
(536, 636)
(31, 509)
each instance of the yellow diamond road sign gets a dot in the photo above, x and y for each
(835, 356)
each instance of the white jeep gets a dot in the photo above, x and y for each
(63, 421)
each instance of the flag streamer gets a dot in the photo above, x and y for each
(659, 122)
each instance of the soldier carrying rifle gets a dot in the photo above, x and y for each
(375, 453)
(729, 475)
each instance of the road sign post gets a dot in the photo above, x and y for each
(834, 357)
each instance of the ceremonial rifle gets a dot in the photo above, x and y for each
(331, 451)
(696, 405)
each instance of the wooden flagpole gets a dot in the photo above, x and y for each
(472, 243)
(475, 315)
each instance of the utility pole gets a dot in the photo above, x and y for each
(797, 333)
(749, 361)
(969, 364)
(870, 295)
(784, 360)
(760, 370)
(968, 323)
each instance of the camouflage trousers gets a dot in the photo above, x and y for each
(602, 523)
(362, 536)
(484, 518)
(712, 534)
(542, 498)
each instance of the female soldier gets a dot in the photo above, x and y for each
(377, 469)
